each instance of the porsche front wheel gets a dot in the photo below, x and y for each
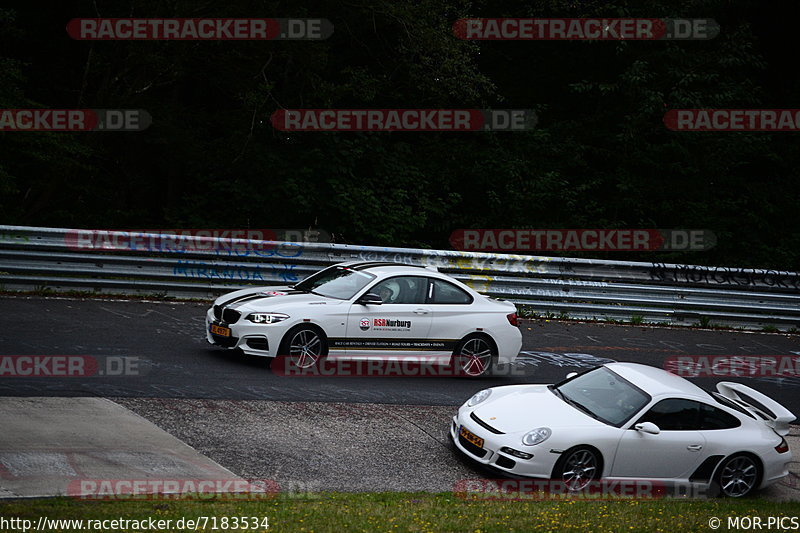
(577, 468)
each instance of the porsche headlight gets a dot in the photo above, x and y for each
(266, 318)
(536, 436)
(478, 397)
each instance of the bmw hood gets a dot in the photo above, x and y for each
(271, 298)
(528, 407)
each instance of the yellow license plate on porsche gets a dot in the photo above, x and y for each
(222, 331)
(471, 437)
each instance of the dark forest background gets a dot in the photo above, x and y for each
(600, 156)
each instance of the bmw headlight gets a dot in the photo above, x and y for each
(478, 397)
(536, 436)
(266, 318)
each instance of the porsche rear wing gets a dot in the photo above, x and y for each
(778, 417)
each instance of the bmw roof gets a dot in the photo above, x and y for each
(370, 265)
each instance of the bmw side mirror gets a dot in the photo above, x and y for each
(647, 427)
(370, 299)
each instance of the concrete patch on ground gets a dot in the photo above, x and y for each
(49, 445)
(310, 447)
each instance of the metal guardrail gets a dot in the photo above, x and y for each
(202, 267)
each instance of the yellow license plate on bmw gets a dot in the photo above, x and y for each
(471, 437)
(220, 330)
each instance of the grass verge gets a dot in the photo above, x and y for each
(413, 512)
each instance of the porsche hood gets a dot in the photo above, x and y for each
(528, 407)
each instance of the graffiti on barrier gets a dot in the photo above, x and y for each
(458, 260)
(199, 269)
(724, 276)
(11, 237)
(202, 270)
(286, 250)
(485, 285)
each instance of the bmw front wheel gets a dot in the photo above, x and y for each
(305, 346)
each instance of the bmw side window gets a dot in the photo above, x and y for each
(713, 418)
(674, 414)
(444, 292)
(402, 290)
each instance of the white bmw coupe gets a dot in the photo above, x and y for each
(362, 310)
(627, 421)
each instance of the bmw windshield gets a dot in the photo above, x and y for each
(603, 395)
(337, 282)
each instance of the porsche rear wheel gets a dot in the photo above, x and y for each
(738, 475)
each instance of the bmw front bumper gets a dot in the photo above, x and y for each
(253, 339)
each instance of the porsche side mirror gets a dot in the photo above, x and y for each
(370, 299)
(647, 427)
(571, 375)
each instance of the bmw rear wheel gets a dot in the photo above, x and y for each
(474, 357)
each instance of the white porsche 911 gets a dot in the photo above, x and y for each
(359, 310)
(627, 421)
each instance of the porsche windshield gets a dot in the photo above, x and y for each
(604, 395)
(337, 282)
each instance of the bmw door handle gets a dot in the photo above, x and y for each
(421, 311)
(694, 447)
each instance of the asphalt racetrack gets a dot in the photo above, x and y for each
(166, 343)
